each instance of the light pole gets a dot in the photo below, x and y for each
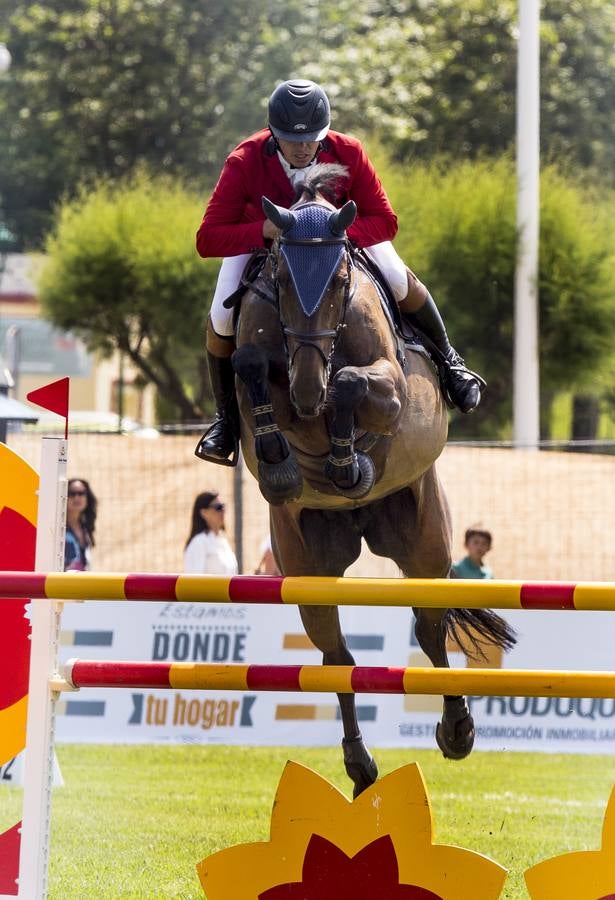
(5, 59)
(6, 237)
(526, 379)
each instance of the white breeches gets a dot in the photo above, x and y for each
(384, 255)
(386, 258)
(231, 271)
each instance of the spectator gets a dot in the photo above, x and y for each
(477, 543)
(267, 564)
(207, 550)
(81, 507)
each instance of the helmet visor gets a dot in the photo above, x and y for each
(299, 136)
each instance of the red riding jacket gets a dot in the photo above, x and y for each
(233, 220)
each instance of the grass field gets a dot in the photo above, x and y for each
(132, 821)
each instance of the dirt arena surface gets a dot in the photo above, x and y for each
(552, 514)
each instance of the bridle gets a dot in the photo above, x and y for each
(310, 339)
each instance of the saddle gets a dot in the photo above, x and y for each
(253, 269)
(406, 335)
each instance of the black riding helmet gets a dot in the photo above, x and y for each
(299, 111)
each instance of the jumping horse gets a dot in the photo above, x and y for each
(341, 425)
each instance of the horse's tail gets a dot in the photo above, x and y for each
(473, 629)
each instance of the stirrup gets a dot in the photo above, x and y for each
(207, 457)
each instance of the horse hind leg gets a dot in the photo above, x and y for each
(305, 546)
(471, 629)
(360, 765)
(455, 733)
(412, 527)
(323, 628)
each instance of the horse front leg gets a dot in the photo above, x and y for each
(279, 476)
(369, 396)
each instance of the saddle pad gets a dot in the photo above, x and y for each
(406, 336)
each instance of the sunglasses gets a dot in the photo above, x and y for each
(77, 493)
(219, 507)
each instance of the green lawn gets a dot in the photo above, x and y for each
(132, 821)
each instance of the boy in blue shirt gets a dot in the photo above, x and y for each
(477, 543)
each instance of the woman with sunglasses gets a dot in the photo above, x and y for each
(81, 509)
(207, 550)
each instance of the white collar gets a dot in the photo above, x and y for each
(294, 175)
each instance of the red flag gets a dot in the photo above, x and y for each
(53, 397)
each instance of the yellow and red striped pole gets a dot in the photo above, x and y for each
(419, 592)
(339, 679)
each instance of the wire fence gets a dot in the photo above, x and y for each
(551, 513)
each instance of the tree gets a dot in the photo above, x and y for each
(440, 76)
(100, 87)
(464, 248)
(123, 273)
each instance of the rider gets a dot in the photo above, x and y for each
(273, 162)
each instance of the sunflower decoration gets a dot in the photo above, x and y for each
(584, 875)
(326, 847)
(18, 509)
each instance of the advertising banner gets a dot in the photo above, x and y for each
(186, 632)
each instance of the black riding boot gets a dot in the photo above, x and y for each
(221, 440)
(461, 386)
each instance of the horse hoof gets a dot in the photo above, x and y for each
(456, 739)
(365, 482)
(360, 765)
(280, 482)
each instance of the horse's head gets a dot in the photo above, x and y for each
(312, 270)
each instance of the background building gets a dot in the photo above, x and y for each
(35, 353)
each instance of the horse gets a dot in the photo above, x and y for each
(341, 426)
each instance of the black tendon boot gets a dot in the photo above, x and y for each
(461, 387)
(221, 440)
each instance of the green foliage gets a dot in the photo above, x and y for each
(99, 87)
(123, 272)
(442, 75)
(457, 230)
(577, 281)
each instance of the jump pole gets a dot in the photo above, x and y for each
(312, 591)
(45, 620)
(80, 673)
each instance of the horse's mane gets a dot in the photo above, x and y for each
(324, 179)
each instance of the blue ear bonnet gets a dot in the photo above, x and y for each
(312, 267)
